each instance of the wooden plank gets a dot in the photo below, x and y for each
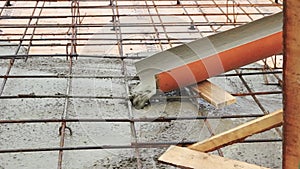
(291, 87)
(187, 158)
(214, 94)
(241, 132)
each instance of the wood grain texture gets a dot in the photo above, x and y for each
(214, 94)
(291, 87)
(240, 132)
(187, 158)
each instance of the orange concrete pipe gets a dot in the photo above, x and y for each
(206, 57)
(229, 59)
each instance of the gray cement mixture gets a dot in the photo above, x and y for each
(46, 135)
(42, 135)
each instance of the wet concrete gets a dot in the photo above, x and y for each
(41, 135)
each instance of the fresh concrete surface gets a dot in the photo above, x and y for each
(43, 135)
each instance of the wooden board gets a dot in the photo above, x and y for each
(187, 158)
(291, 97)
(241, 132)
(214, 94)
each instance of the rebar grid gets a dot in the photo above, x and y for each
(82, 30)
